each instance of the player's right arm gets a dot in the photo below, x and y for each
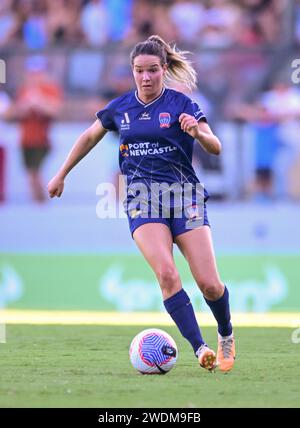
(86, 141)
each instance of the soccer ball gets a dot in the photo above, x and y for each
(153, 351)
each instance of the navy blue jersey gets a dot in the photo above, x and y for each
(153, 148)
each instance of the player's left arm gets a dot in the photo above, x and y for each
(201, 132)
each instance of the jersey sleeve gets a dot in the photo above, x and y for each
(107, 117)
(192, 108)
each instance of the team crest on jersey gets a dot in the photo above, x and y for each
(124, 150)
(164, 120)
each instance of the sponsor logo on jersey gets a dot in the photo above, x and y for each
(145, 116)
(124, 150)
(146, 148)
(125, 123)
(164, 120)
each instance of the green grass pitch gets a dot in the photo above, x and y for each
(88, 366)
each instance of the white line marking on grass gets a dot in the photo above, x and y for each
(10, 316)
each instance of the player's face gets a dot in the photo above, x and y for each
(148, 74)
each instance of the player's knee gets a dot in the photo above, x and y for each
(212, 290)
(168, 278)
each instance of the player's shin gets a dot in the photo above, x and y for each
(221, 311)
(181, 310)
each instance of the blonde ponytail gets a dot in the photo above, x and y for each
(180, 69)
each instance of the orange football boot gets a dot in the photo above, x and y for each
(206, 357)
(226, 352)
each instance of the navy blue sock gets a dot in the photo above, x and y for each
(181, 310)
(220, 309)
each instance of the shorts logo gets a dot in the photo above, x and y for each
(164, 120)
(193, 213)
(135, 213)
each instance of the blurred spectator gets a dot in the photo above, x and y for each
(5, 103)
(63, 22)
(297, 21)
(189, 17)
(7, 22)
(162, 23)
(120, 18)
(266, 142)
(119, 80)
(37, 103)
(264, 18)
(34, 27)
(220, 23)
(21, 11)
(142, 21)
(95, 23)
(274, 119)
(283, 102)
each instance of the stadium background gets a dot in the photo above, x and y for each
(61, 264)
(57, 254)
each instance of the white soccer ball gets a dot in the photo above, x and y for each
(153, 351)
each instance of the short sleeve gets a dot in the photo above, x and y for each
(107, 116)
(192, 108)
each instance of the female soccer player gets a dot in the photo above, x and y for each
(157, 128)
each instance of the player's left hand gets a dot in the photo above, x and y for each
(189, 124)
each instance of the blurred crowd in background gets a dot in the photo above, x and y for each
(38, 24)
(65, 59)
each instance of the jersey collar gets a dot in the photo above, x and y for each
(153, 101)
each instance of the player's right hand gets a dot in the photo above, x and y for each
(56, 186)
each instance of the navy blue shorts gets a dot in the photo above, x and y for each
(177, 226)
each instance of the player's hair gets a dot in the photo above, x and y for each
(179, 69)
